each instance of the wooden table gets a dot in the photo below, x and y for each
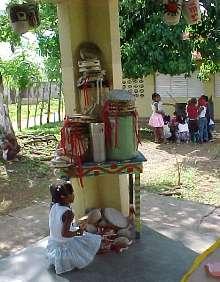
(132, 167)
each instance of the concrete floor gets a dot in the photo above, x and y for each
(155, 258)
(173, 233)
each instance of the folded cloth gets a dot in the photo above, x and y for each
(213, 269)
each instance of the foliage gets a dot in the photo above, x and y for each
(7, 34)
(206, 40)
(19, 73)
(149, 45)
(48, 40)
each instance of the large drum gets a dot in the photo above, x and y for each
(123, 139)
(121, 126)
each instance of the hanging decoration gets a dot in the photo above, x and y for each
(191, 11)
(173, 8)
(172, 11)
(24, 16)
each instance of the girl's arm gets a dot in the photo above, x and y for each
(67, 220)
(157, 108)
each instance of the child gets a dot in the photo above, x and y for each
(183, 131)
(203, 124)
(209, 116)
(193, 114)
(10, 147)
(173, 126)
(156, 120)
(68, 247)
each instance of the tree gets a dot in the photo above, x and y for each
(7, 34)
(149, 45)
(206, 40)
(19, 74)
(48, 40)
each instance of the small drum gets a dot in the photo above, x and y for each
(115, 218)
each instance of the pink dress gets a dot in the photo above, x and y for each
(156, 119)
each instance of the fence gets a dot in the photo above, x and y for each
(35, 106)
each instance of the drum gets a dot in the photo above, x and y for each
(123, 143)
(115, 218)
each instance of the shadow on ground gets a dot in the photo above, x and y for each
(155, 258)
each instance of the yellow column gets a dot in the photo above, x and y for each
(94, 21)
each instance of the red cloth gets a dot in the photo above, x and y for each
(192, 111)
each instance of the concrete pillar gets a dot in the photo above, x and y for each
(94, 21)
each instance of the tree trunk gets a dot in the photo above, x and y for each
(36, 91)
(42, 106)
(48, 108)
(9, 146)
(19, 110)
(60, 101)
(28, 106)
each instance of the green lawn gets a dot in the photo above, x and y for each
(24, 109)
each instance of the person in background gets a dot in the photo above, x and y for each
(10, 147)
(182, 134)
(209, 116)
(192, 112)
(203, 124)
(173, 126)
(156, 120)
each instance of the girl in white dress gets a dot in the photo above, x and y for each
(68, 246)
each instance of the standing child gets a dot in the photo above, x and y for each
(68, 249)
(156, 120)
(193, 114)
(203, 124)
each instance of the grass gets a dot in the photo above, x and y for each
(48, 128)
(24, 109)
(26, 180)
(189, 189)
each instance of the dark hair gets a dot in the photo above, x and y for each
(60, 189)
(154, 95)
(206, 98)
(193, 101)
(182, 120)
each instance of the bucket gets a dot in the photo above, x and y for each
(125, 147)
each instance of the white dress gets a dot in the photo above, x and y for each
(69, 253)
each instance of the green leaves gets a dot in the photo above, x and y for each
(48, 40)
(148, 45)
(6, 32)
(19, 73)
(47, 37)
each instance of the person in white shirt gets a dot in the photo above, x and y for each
(182, 134)
(203, 124)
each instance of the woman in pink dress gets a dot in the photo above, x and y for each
(156, 120)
